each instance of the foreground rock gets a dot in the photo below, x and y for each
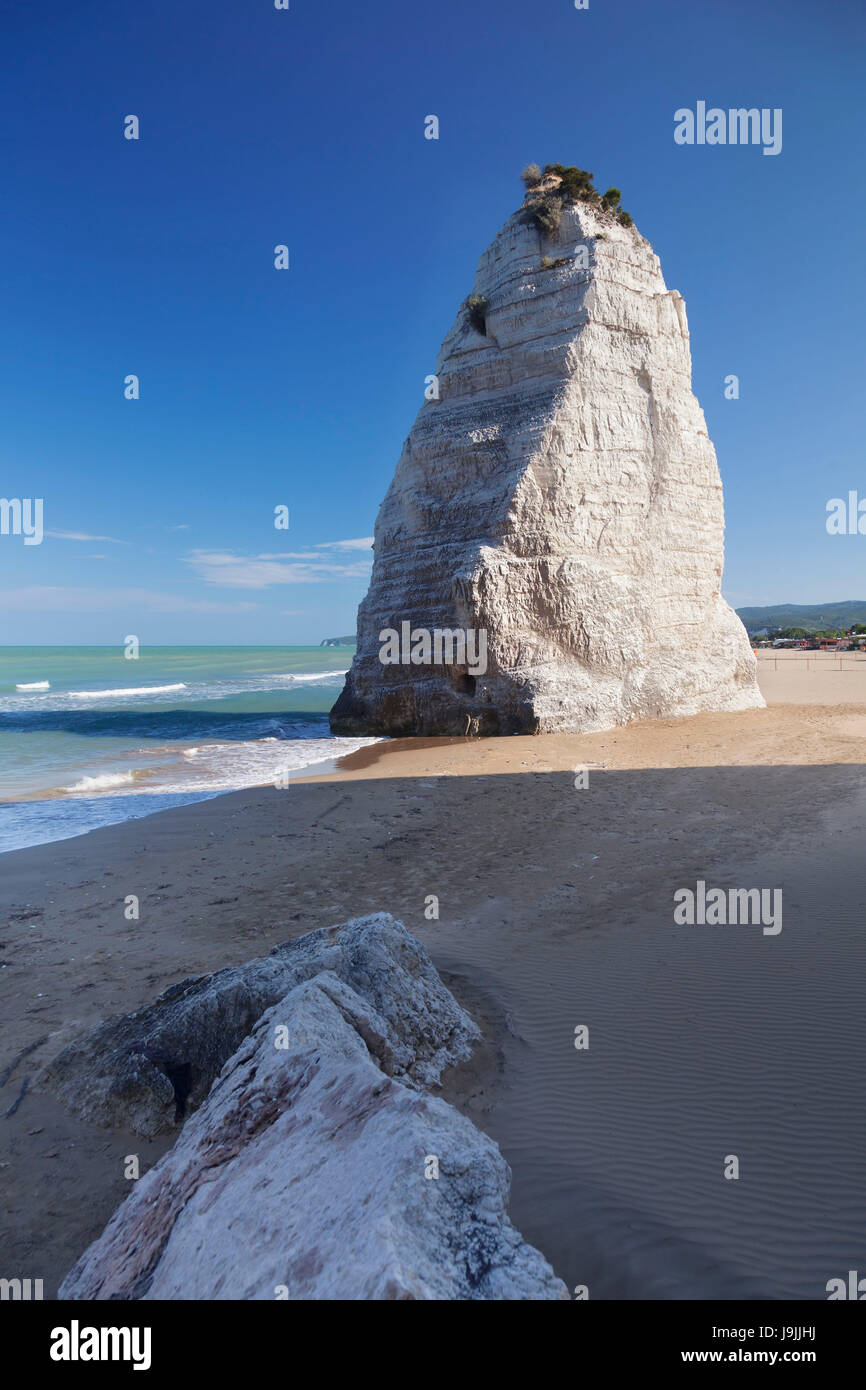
(562, 498)
(148, 1070)
(305, 1173)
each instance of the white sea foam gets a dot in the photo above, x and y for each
(255, 762)
(106, 781)
(40, 697)
(217, 767)
(115, 694)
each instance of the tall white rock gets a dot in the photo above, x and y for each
(562, 497)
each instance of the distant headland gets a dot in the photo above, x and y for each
(810, 617)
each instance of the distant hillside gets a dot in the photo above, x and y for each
(811, 616)
(338, 641)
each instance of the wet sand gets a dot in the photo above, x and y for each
(555, 910)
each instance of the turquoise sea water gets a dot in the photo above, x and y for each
(88, 737)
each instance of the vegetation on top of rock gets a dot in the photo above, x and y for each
(576, 183)
(545, 198)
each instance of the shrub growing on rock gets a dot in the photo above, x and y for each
(544, 205)
(576, 183)
(547, 214)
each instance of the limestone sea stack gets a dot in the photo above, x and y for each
(560, 502)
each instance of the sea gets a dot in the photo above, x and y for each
(89, 737)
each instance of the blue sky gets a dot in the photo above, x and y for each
(261, 388)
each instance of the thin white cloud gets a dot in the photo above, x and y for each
(280, 555)
(262, 571)
(83, 536)
(55, 599)
(361, 543)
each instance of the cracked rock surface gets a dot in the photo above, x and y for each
(561, 496)
(319, 1166)
(147, 1070)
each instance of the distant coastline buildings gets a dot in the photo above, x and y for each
(854, 640)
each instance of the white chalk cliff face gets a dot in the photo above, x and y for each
(562, 496)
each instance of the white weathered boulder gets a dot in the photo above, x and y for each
(147, 1070)
(304, 1175)
(562, 497)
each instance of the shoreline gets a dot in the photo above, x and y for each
(824, 687)
(322, 767)
(553, 910)
(818, 733)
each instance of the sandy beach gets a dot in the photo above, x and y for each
(555, 906)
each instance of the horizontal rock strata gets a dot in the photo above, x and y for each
(562, 497)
